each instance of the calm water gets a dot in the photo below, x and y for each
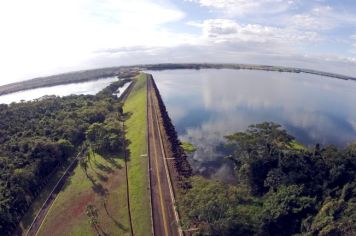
(91, 87)
(205, 105)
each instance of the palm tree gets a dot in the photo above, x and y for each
(92, 213)
(84, 165)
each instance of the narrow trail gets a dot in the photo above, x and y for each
(123, 98)
(127, 186)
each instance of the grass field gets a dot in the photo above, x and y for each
(41, 198)
(106, 191)
(136, 125)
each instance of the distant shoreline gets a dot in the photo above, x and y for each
(129, 71)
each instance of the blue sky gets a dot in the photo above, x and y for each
(42, 37)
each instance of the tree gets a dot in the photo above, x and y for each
(105, 138)
(282, 209)
(256, 152)
(38, 136)
(84, 165)
(282, 189)
(275, 178)
(66, 147)
(92, 213)
(216, 208)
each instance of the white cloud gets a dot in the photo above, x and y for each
(301, 14)
(353, 46)
(245, 7)
(42, 37)
(225, 30)
(321, 18)
(307, 21)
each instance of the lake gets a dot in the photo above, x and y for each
(90, 87)
(205, 105)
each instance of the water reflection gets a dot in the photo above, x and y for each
(91, 87)
(205, 105)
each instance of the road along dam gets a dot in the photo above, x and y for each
(168, 167)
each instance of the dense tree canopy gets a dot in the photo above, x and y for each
(38, 136)
(283, 189)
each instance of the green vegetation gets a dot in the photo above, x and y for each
(41, 198)
(135, 107)
(37, 138)
(102, 187)
(295, 145)
(188, 147)
(282, 189)
(106, 137)
(215, 208)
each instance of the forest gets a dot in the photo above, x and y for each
(36, 137)
(283, 188)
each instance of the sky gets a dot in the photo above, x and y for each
(44, 37)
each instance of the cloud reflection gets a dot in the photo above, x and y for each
(213, 103)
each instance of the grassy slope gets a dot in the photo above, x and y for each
(41, 198)
(67, 214)
(138, 171)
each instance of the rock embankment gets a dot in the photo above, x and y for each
(181, 170)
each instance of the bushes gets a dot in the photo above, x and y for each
(215, 208)
(301, 191)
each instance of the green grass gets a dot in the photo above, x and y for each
(67, 214)
(41, 198)
(138, 165)
(298, 146)
(188, 147)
